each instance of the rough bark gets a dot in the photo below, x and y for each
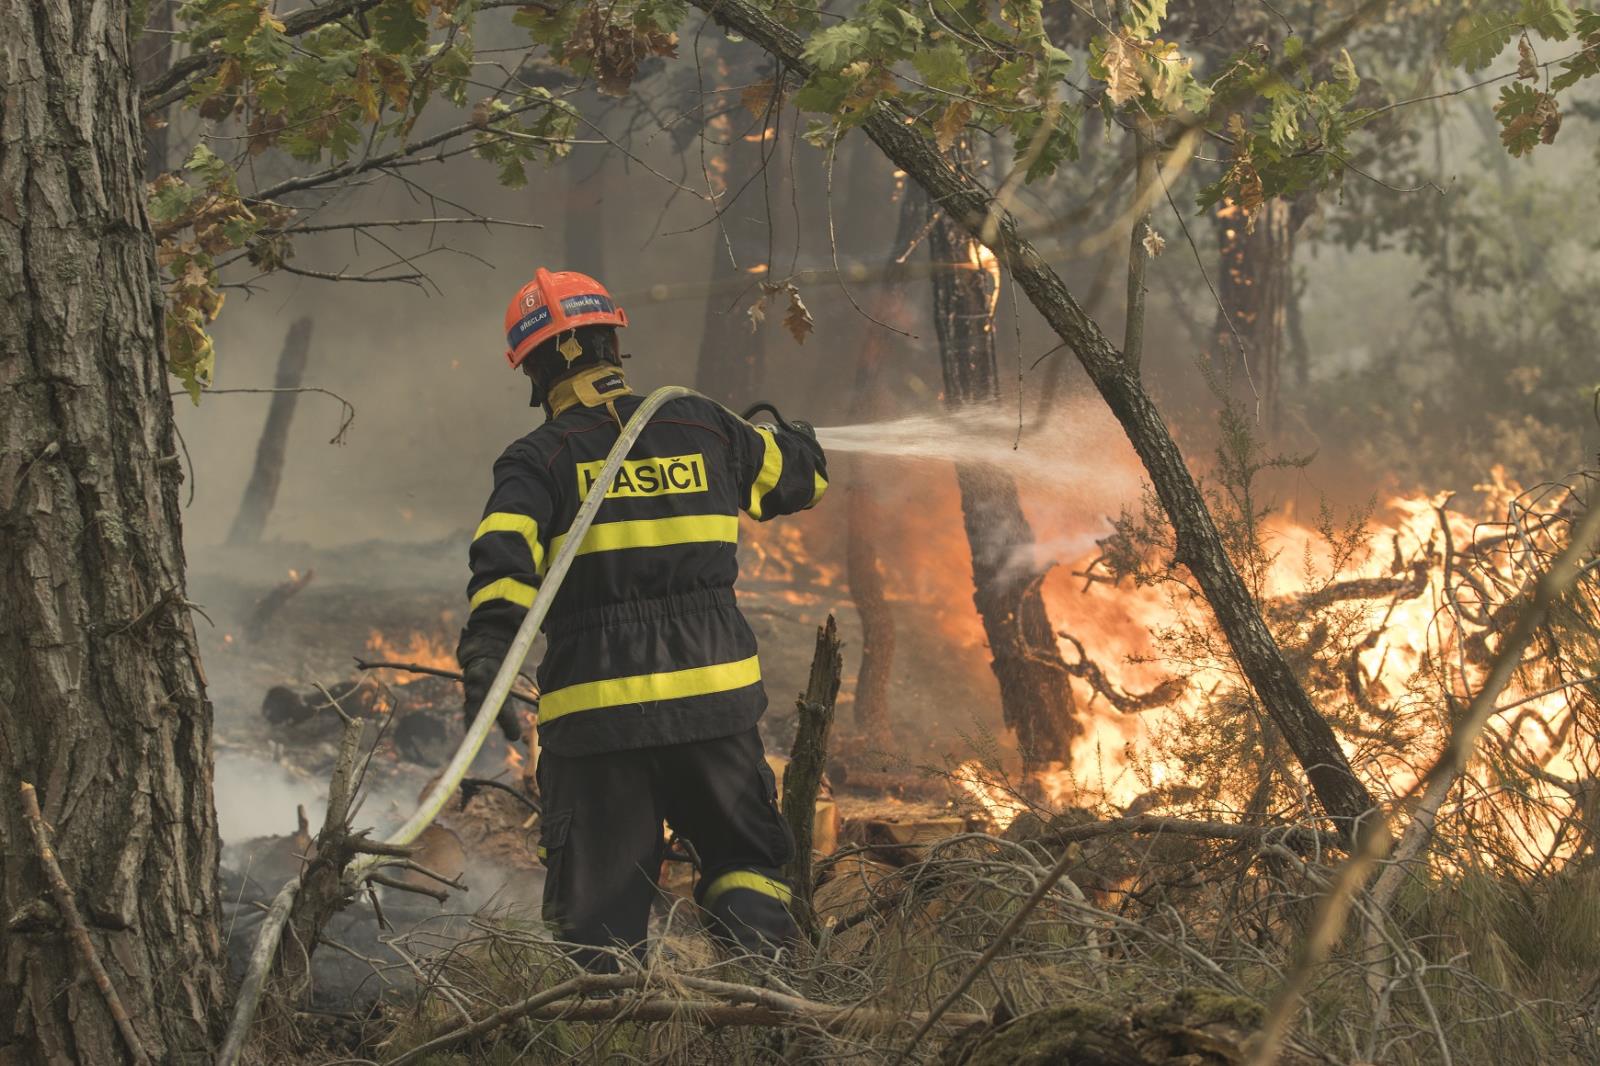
(1199, 547)
(261, 492)
(1035, 693)
(102, 699)
(732, 355)
(1254, 286)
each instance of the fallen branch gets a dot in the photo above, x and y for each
(530, 698)
(255, 980)
(1086, 669)
(406, 886)
(471, 786)
(1299, 837)
(270, 604)
(76, 930)
(735, 1005)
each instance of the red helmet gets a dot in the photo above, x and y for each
(552, 304)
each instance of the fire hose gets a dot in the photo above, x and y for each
(447, 783)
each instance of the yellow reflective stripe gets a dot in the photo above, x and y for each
(771, 471)
(507, 588)
(506, 522)
(819, 486)
(655, 533)
(647, 688)
(755, 882)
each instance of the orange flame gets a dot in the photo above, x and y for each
(418, 647)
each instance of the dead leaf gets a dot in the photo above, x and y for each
(1549, 115)
(757, 313)
(949, 125)
(1122, 70)
(797, 320)
(1527, 62)
(1154, 243)
(761, 98)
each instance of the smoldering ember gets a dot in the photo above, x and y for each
(729, 531)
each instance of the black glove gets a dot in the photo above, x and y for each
(477, 677)
(808, 437)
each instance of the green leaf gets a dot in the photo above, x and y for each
(397, 27)
(1586, 64)
(1475, 40)
(1143, 17)
(823, 94)
(943, 66)
(836, 47)
(1551, 19)
(1283, 122)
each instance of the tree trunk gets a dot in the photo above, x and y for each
(1035, 693)
(262, 490)
(584, 233)
(732, 355)
(102, 699)
(869, 401)
(1199, 546)
(1254, 286)
(152, 57)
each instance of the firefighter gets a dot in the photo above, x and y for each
(650, 686)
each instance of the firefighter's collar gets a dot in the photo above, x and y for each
(597, 386)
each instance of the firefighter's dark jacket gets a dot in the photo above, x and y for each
(646, 644)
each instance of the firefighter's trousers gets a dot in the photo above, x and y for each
(602, 843)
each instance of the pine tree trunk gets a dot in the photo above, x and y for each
(1254, 286)
(870, 401)
(1035, 693)
(261, 491)
(583, 235)
(102, 698)
(732, 355)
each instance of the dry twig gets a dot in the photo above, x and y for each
(76, 930)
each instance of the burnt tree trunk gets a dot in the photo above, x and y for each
(583, 236)
(261, 492)
(102, 698)
(1035, 693)
(732, 355)
(870, 401)
(1254, 286)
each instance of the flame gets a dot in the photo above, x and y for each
(1409, 655)
(421, 648)
(999, 803)
(981, 258)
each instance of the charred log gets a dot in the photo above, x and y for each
(802, 778)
